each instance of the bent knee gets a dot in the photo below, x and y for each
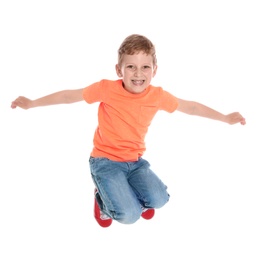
(128, 216)
(157, 202)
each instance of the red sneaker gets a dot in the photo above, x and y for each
(102, 219)
(148, 213)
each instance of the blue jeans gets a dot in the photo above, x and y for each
(125, 187)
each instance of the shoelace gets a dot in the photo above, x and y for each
(103, 216)
(143, 209)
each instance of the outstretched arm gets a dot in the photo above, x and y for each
(61, 97)
(198, 109)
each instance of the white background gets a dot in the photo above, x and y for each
(208, 51)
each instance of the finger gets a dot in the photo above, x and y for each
(243, 121)
(13, 105)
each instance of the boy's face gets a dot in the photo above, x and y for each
(137, 71)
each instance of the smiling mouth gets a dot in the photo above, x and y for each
(138, 82)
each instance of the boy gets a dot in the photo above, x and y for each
(125, 186)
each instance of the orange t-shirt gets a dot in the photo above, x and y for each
(124, 118)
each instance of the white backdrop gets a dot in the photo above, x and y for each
(208, 51)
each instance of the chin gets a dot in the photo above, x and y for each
(139, 91)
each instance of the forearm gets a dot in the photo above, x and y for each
(201, 110)
(198, 109)
(61, 97)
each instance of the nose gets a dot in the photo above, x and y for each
(138, 72)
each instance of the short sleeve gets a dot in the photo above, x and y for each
(168, 102)
(93, 93)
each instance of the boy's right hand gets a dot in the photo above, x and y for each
(22, 102)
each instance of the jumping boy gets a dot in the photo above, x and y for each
(125, 186)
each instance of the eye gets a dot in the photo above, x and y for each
(146, 67)
(131, 67)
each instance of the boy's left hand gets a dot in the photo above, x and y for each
(235, 118)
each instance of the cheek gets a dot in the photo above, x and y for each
(150, 74)
(126, 73)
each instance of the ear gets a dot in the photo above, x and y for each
(118, 71)
(155, 70)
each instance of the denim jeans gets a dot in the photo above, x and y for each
(124, 188)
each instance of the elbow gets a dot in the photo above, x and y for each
(192, 109)
(67, 97)
(187, 107)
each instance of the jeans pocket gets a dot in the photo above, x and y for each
(96, 163)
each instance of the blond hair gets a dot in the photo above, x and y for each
(136, 43)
